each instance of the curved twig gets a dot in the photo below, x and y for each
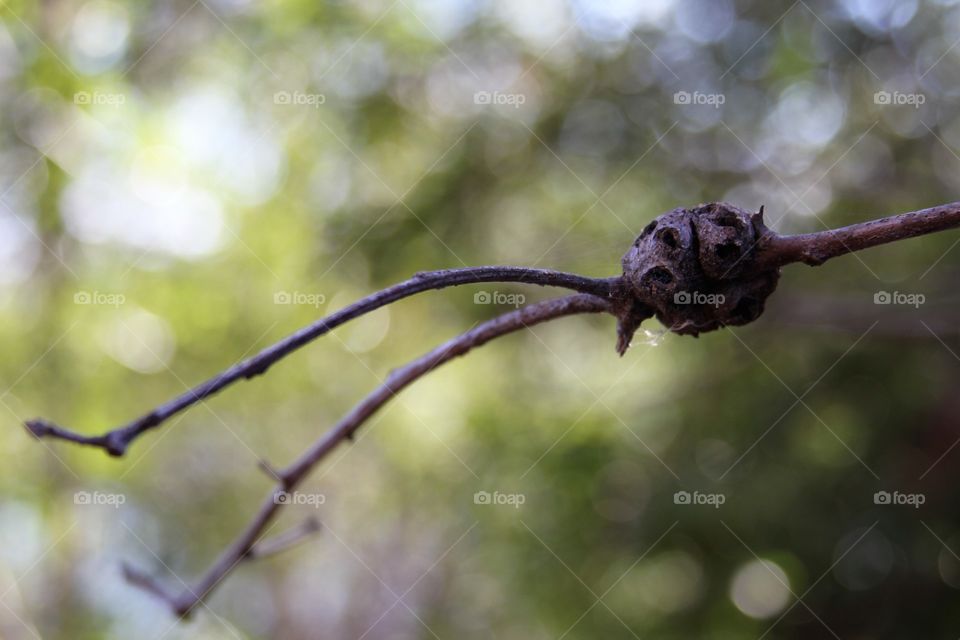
(116, 441)
(184, 602)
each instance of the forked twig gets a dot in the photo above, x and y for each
(246, 545)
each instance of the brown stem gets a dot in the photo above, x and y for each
(816, 248)
(116, 441)
(184, 602)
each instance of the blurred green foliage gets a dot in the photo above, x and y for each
(172, 173)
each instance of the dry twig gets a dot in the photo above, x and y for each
(696, 269)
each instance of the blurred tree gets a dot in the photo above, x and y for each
(168, 170)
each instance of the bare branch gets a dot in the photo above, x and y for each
(817, 248)
(248, 542)
(716, 251)
(116, 441)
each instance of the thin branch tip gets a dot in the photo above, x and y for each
(269, 470)
(38, 427)
(149, 584)
(114, 442)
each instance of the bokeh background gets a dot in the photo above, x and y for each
(183, 183)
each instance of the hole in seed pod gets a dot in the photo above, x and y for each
(728, 251)
(658, 275)
(647, 230)
(729, 220)
(668, 237)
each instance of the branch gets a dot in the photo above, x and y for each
(697, 270)
(246, 544)
(116, 441)
(816, 248)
